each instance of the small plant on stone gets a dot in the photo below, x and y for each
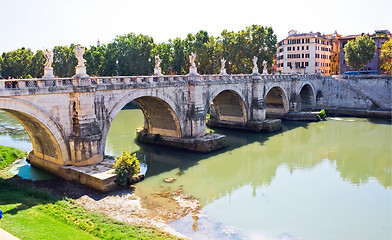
(125, 167)
(322, 114)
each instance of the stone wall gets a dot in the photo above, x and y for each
(355, 92)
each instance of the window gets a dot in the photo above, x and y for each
(306, 64)
(298, 48)
(303, 47)
(289, 64)
(302, 55)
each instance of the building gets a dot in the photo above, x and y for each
(335, 56)
(379, 37)
(306, 53)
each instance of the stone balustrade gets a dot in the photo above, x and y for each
(8, 84)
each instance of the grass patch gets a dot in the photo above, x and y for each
(35, 214)
(8, 155)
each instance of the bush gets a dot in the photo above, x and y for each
(125, 167)
(322, 114)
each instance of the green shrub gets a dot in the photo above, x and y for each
(125, 167)
(322, 114)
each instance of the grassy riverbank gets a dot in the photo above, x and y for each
(8, 155)
(30, 213)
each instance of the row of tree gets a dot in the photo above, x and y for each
(133, 54)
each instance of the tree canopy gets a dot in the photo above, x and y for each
(132, 54)
(359, 52)
(385, 60)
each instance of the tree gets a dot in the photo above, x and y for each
(17, 63)
(37, 64)
(64, 61)
(385, 60)
(125, 167)
(95, 60)
(178, 56)
(165, 54)
(132, 52)
(359, 52)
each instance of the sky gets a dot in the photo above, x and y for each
(38, 24)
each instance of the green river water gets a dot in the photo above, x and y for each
(323, 180)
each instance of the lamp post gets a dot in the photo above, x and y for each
(117, 67)
(149, 66)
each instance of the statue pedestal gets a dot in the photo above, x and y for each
(48, 73)
(255, 71)
(193, 71)
(157, 71)
(265, 71)
(81, 72)
(223, 72)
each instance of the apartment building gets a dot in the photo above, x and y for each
(305, 53)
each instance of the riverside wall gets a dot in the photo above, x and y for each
(362, 96)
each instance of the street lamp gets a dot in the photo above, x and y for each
(117, 67)
(149, 66)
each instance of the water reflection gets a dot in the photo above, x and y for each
(333, 177)
(360, 150)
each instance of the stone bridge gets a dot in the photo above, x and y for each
(68, 119)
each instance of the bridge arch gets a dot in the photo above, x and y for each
(276, 102)
(160, 115)
(46, 135)
(227, 105)
(307, 96)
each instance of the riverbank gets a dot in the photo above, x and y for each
(8, 155)
(37, 209)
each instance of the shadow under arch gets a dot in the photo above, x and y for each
(307, 95)
(160, 116)
(46, 136)
(227, 105)
(276, 102)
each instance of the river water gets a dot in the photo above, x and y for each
(322, 180)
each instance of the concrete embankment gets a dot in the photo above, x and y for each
(356, 96)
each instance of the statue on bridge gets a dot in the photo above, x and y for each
(223, 69)
(265, 67)
(48, 70)
(223, 63)
(255, 68)
(79, 51)
(157, 69)
(157, 61)
(48, 54)
(192, 68)
(192, 58)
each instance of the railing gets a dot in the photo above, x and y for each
(6, 84)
